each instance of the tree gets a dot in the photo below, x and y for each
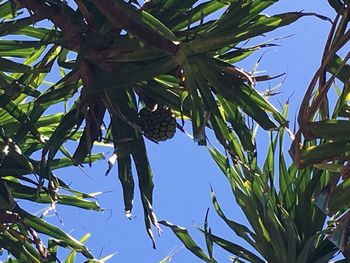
(288, 218)
(284, 223)
(114, 56)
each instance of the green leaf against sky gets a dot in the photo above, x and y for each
(284, 222)
(186, 239)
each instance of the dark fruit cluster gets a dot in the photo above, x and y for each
(159, 124)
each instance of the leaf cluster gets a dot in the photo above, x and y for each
(285, 225)
(322, 139)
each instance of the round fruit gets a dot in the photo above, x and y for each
(158, 124)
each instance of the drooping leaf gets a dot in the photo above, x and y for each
(187, 240)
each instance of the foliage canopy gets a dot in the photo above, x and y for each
(115, 57)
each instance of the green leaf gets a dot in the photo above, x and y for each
(11, 66)
(132, 76)
(72, 254)
(122, 14)
(237, 121)
(64, 130)
(158, 26)
(6, 198)
(238, 14)
(28, 193)
(338, 198)
(187, 240)
(208, 242)
(126, 141)
(240, 230)
(12, 108)
(329, 129)
(235, 249)
(66, 162)
(307, 249)
(198, 112)
(334, 65)
(52, 249)
(127, 180)
(63, 89)
(41, 226)
(323, 152)
(198, 13)
(6, 10)
(22, 250)
(234, 35)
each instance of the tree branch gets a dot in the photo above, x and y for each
(62, 20)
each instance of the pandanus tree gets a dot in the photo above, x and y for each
(171, 58)
(284, 224)
(297, 212)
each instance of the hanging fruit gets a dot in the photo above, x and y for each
(158, 124)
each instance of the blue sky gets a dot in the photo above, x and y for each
(183, 171)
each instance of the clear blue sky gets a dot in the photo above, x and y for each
(183, 171)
